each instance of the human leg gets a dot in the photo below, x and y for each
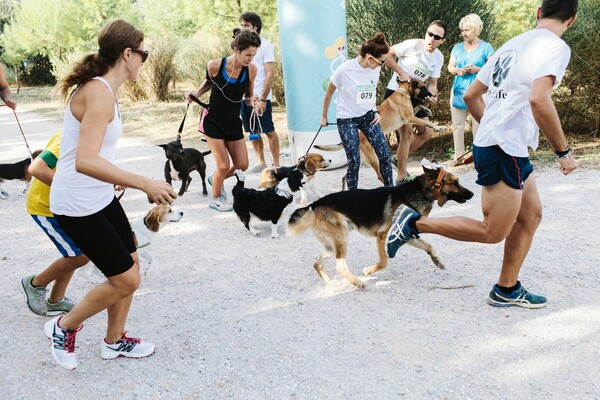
(259, 150)
(239, 155)
(222, 164)
(519, 240)
(377, 139)
(459, 117)
(274, 146)
(349, 135)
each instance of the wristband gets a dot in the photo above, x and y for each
(375, 111)
(263, 100)
(563, 154)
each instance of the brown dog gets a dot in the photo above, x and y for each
(309, 165)
(395, 111)
(371, 213)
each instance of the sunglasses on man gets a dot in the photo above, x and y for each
(433, 35)
(143, 53)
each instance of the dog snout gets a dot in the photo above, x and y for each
(462, 196)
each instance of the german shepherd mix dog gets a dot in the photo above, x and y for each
(266, 205)
(17, 171)
(395, 111)
(181, 162)
(371, 212)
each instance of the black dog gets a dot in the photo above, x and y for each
(181, 162)
(266, 205)
(18, 171)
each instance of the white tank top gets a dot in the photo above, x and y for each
(75, 194)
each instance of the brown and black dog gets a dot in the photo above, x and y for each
(309, 165)
(395, 111)
(371, 212)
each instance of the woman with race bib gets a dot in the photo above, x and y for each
(357, 80)
(417, 59)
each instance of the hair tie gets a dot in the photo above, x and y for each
(102, 53)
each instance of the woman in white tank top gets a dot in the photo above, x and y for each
(82, 195)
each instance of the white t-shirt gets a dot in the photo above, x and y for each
(75, 194)
(356, 89)
(264, 54)
(509, 73)
(416, 62)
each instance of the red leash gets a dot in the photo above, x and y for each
(22, 133)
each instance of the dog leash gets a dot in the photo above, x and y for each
(196, 100)
(22, 133)
(315, 138)
(254, 118)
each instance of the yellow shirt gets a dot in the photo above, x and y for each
(38, 197)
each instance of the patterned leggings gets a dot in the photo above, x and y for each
(348, 129)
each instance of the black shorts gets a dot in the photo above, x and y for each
(217, 127)
(494, 165)
(105, 237)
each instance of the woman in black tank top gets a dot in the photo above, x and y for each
(231, 81)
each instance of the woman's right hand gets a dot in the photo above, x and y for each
(324, 122)
(159, 192)
(188, 96)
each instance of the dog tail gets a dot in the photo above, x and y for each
(329, 147)
(239, 175)
(206, 153)
(300, 221)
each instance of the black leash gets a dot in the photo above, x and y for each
(315, 138)
(196, 100)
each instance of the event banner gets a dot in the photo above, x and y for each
(313, 45)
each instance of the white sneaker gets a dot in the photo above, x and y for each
(62, 343)
(256, 169)
(127, 347)
(220, 204)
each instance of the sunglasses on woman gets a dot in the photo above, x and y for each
(380, 62)
(433, 35)
(143, 53)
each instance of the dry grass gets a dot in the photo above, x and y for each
(160, 122)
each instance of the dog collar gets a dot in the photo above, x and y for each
(438, 184)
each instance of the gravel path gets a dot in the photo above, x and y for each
(244, 317)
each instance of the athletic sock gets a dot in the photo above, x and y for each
(509, 290)
(412, 223)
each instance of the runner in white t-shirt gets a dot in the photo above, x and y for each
(518, 79)
(356, 83)
(265, 64)
(416, 59)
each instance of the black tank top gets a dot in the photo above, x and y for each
(226, 93)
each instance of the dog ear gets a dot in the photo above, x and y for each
(152, 219)
(164, 146)
(295, 180)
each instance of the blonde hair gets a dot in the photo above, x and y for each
(471, 22)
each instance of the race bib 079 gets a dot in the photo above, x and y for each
(365, 94)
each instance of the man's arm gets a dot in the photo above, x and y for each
(547, 119)
(391, 63)
(269, 75)
(473, 98)
(42, 171)
(5, 93)
(432, 87)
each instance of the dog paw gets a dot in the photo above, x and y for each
(368, 271)
(360, 284)
(254, 232)
(275, 236)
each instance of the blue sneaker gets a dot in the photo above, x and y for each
(223, 192)
(519, 297)
(400, 232)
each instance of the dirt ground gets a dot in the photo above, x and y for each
(245, 317)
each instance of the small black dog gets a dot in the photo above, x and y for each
(18, 171)
(266, 205)
(181, 162)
